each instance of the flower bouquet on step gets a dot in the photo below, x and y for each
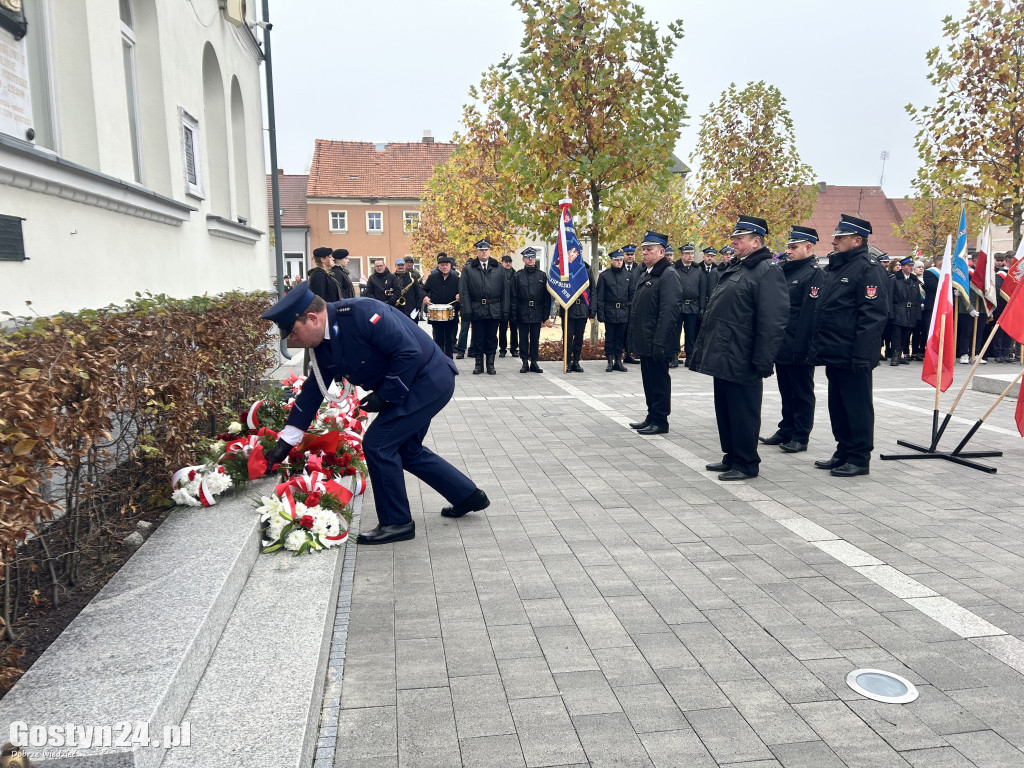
(198, 486)
(307, 513)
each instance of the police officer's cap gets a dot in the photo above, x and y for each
(627, 249)
(341, 253)
(322, 253)
(506, 257)
(294, 303)
(482, 245)
(907, 260)
(728, 251)
(669, 251)
(616, 254)
(529, 253)
(688, 248)
(710, 251)
(655, 238)
(851, 225)
(750, 225)
(802, 235)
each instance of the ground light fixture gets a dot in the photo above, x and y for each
(879, 685)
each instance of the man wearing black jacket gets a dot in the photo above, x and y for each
(905, 294)
(709, 275)
(484, 297)
(792, 371)
(508, 335)
(850, 312)
(692, 301)
(744, 325)
(531, 307)
(378, 284)
(653, 319)
(442, 287)
(632, 269)
(580, 311)
(613, 297)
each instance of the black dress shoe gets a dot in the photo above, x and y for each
(652, 429)
(477, 500)
(793, 446)
(735, 474)
(631, 360)
(534, 368)
(717, 467)
(849, 470)
(639, 424)
(775, 439)
(893, 362)
(460, 355)
(385, 534)
(501, 353)
(525, 368)
(829, 463)
(674, 363)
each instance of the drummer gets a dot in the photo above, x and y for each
(442, 288)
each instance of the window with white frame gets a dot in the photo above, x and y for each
(411, 220)
(131, 85)
(339, 221)
(190, 154)
(374, 222)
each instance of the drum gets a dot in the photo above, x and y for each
(440, 313)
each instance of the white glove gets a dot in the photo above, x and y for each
(974, 313)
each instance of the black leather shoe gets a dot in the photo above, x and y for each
(501, 352)
(385, 534)
(673, 363)
(893, 362)
(849, 470)
(829, 463)
(460, 355)
(793, 446)
(525, 368)
(477, 500)
(631, 360)
(639, 424)
(652, 429)
(534, 368)
(775, 439)
(479, 367)
(490, 366)
(577, 368)
(735, 474)
(717, 467)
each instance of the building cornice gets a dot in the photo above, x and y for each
(26, 166)
(218, 226)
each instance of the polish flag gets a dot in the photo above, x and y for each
(944, 308)
(1014, 273)
(983, 279)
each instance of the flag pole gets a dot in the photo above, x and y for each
(974, 340)
(979, 422)
(565, 339)
(938, 385)
(970, 375)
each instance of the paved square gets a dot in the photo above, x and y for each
(618, 606)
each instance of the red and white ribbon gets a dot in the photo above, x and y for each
(252, 418)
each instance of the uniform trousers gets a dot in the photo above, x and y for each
(485, 338)
(529, 341)
(625, 341)
(614, 338)
(577, 327)
(394, 442)
(796, 386)
(508, 337)
(657, 390)
(738, 413)
(444, 335)
(852, 412)
(900, 339)
(688, 325)
(463, 341)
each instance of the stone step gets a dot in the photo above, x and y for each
(259, 702)
(995, 383)
(137, 651)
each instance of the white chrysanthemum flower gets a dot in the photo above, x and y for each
(218, 447)
(218, 482)
(295, 540)
(234, 428)
(184, 498)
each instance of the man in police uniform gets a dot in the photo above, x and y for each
(693, 303)
(792, 371)
(850, 311)
(484, 296)
(653, 320)
(531, 307)
(742, 330)
(906, 293)
(612, 298)
(632, 269)
(708, 280)
(508, 335)
(377, 348)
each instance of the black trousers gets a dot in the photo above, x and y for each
(796, 385)
(577, 327)
(485, 338)
(463, 341)
(738, 413)
(444, 335)
(657, 390)
(919, 338)
(689, 324)
(625, 340)
(852, 413)
(508, 332)
(1002, 346)
(529, 341)
(614, 338)
(900, 339)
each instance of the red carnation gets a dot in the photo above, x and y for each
(348, 471)
(313, 499)
(344, 460)
(306, 521)
(191, 474)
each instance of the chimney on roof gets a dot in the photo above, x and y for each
(821, 186)
(428, 138)
(380, 146)
(280, 171)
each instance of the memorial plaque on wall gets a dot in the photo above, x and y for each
(15, 101)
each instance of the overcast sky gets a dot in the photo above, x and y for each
(388, 70)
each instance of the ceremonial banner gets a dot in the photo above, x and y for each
(567, 275)
(960, 270)
(983, 279)
(1014, 273)
(943, 308)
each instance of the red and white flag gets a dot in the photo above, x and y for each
(1014, 273)
(944, 308)
(983, 279)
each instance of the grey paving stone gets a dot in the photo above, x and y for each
(986, 749)
(609, 740)
(672, 749)
(492, 752)
(369, 733)
(650, 708)
(550, 612)
(848, 736)
(527, 678)
(468, 652)
(937, 757)
(807, 754)
(771, 717)
(421, 664)
(897, 725)
(727, 736)
(426, 728)
(369, 681)
(481, 708)
(692, 689)
(546, 734)
(513, 641)
(625, 666)
(586, 693)
(565, 649)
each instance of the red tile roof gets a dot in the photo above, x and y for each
(292, 190)
(868, 203)
(359, 169)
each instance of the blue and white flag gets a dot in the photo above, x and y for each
(567, 275)
(959, 268)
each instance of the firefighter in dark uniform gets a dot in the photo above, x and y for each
(508, 335)
(708, 280)
(381, 350)
(850, 311)
(726, 254)
(905, 295)
(743, 328)
(321, 281)
(442, 287)
(693, 301)
(794, 374)
(378, 284)
(407, 295)
(613, 297)
(530, 308)
(580, 311)
(633, 270)
(341, 274)
(653, 320)
(484, 296)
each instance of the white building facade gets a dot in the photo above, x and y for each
(131, 152)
